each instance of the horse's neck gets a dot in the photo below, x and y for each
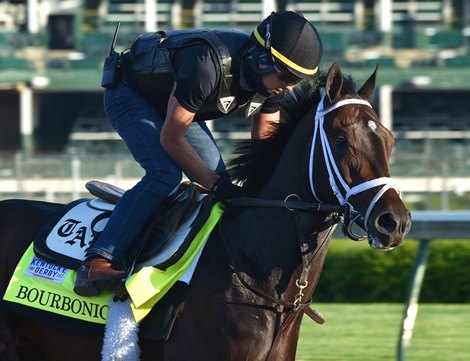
(263, 231)
(291, 178)
(291, 173)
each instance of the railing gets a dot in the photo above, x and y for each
(427, 226)
(237, 14)
(62, 177)
(419, 11)
(70, 187)
(132, 12)
(326, 11)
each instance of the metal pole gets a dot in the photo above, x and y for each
(411, 308)
(151, 21)
(32, 16)
(76, 176)
(176, 14)
(386, 21)
(26, 118)
(19, 174)
(268, 7)
(386, 106)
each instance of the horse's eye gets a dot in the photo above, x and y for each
(341, 141)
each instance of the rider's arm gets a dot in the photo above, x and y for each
(262, 124)
(172, 139)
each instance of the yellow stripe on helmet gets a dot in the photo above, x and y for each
(282, 58)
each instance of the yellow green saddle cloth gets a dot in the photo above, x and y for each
(48, 287)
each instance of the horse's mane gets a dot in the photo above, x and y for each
(256, 159)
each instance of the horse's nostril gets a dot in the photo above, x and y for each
(387, 221)
(406, 225)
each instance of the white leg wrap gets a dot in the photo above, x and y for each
(121, 340)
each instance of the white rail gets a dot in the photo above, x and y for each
(427, 226)
(73, 186)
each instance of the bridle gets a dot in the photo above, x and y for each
(350, 215)
(340, 188)
(337, 182)
(292, 202)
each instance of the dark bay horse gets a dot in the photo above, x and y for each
(328, 161)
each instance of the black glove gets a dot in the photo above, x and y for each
(225, 189)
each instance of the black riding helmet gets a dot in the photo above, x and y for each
(291, 42)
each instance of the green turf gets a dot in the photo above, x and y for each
(369, 332)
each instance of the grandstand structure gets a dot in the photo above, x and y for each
(51, 53)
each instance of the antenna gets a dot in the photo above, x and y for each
(111, 64)
(113, 44)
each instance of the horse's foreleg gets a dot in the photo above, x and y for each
(59, 344)
(8, 339)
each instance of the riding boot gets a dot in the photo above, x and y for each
(95, 275)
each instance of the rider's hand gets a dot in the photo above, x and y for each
(225, 189)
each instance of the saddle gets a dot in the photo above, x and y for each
(185, 219)
(187, 204)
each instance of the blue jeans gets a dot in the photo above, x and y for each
(139, 125)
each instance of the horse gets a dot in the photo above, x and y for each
(326, 162)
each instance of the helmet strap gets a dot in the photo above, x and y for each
(250, 76)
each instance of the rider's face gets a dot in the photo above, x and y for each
(272, 82)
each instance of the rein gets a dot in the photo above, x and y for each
(301, 282)
(293, 203)
(349, 214)
(288, 203)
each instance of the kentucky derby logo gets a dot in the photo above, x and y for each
(45, 270)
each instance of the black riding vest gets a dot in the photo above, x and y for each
(149, 63)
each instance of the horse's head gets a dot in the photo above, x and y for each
(350, 162)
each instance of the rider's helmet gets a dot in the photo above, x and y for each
(290, 44)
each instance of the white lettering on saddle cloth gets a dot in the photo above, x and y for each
(79, 227)
(45, 270)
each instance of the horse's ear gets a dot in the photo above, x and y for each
(334, 83)
(367, 89)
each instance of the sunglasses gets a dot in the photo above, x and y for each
(285, 75)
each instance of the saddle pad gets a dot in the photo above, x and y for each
(67, 236)
(171, 247)
(46, 286)
(150, 284)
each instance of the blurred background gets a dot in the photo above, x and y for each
(54, 135)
